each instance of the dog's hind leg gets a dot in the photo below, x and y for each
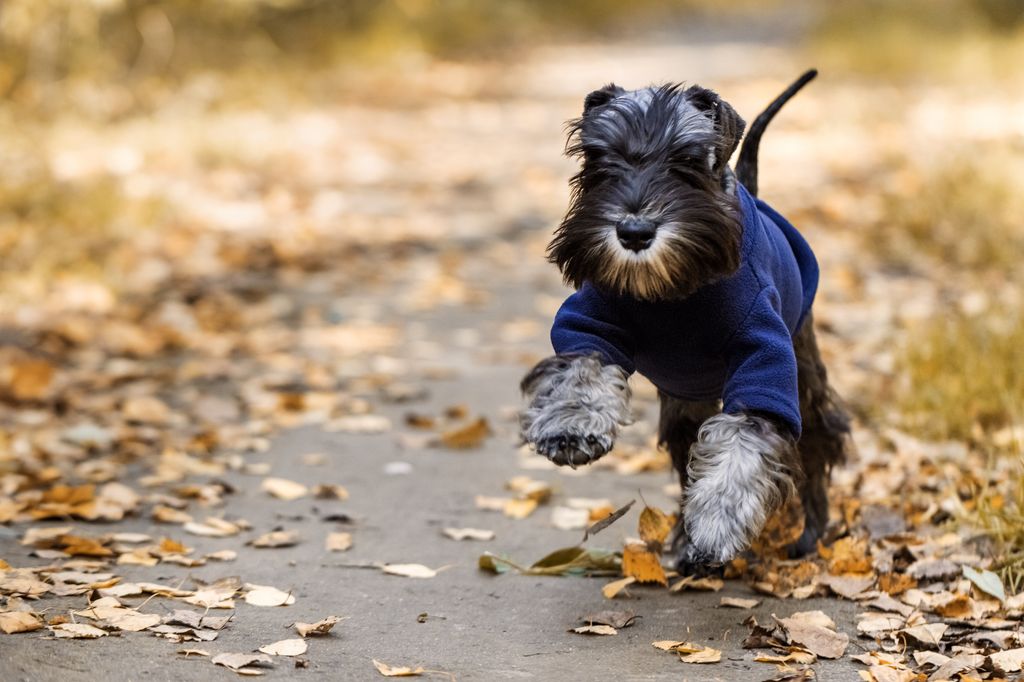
(825, 437)
(677, 432)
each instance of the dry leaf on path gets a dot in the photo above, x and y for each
(19, 621)
(338, 542)
(470, 435)
(77, 631)
(739, 603)
(595, 630)
(286, 647)
(612, 589)
(616, 619)
(263, 595)
(811, 631)
(1009, 661)
(277, 538)
(468, 534)
(986, 581)
(410, 570)
(393, 671)
(689, 652)
(242, 661)
(567, 518)
(321, 627)
(283, 489)
(642, 564)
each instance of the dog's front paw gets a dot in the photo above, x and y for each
(574, 450)
(576, 407)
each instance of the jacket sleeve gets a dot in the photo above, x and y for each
(761, 365)
(589, 323)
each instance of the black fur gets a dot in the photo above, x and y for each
(645, 160)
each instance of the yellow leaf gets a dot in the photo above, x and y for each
(612, 589)
(640, 563)
(655, 525)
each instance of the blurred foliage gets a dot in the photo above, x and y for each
(962, 376)
(49, 41)
(963, 208)
(50, 226)
(909, 38)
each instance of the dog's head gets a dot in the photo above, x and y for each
(653, 210)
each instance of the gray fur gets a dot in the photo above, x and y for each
(576, 406)
(740, 471)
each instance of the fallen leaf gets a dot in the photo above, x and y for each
(392, 671)
(277, 538)
(1009, 661)
(813, 633)
(286, 647)
(262, 595)
(595, 630)
(738, 603)
(338, 542)
(409, 570)
(321, 627)
(929, 634)
(616, 619)
(283, 489)
(613, 588)
(705, 655)
(986, 581)
(212, 527)
(19, 621)
(642, 564)
(567, 518)
(241, 661)
(77, 631)
(520, 509)
(471, 435)
(327, 491)
(468, 534)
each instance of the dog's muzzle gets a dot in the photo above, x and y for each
(635, 234)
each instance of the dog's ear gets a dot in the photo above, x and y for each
(729, 125)
(602, 96)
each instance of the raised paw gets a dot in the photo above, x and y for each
(574, 450)
(691, 561)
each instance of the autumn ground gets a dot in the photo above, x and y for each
(335, 289)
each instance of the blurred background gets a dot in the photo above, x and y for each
(287, 203)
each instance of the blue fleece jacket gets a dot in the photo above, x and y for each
(732, 339)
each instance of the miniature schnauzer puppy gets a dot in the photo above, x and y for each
(683, 275)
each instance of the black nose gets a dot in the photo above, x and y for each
(635, 234)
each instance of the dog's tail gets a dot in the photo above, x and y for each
(746, 167)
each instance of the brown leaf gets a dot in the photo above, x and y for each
(240, 661)
(471, 435)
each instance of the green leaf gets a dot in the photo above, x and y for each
(986, 581)
(495, 564)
